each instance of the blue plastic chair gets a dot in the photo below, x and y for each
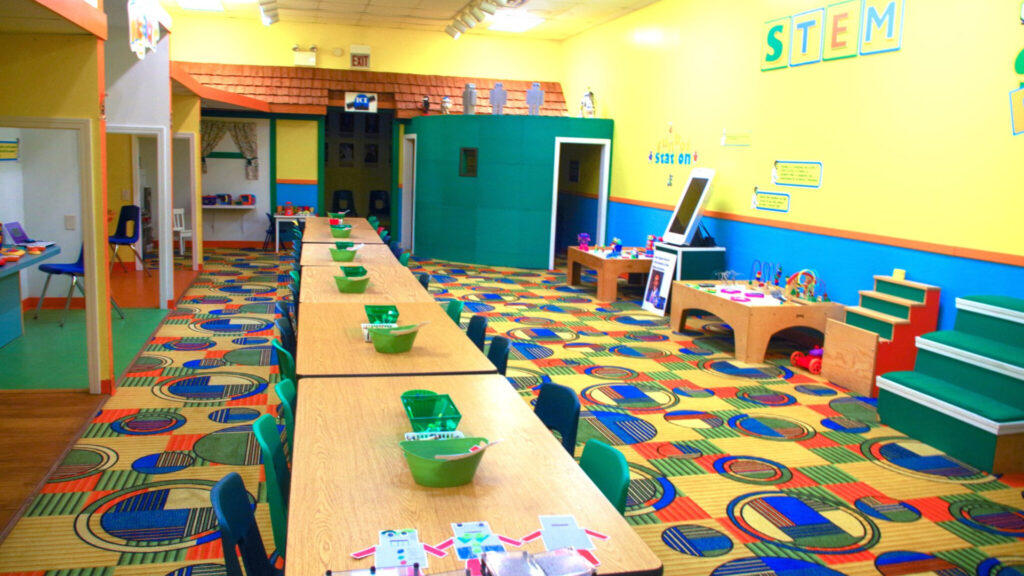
(284, 326)
(477, 331)
(424, 279)
(279, 478)
(130, 214)
(498, 353)
(608, 469)
(238, 529)
(558, 407)
(270, 232)
(74, 269)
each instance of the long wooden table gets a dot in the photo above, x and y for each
(754, 319)
(331, 343)
(318, 231)
(389, 284)
(368, 255)
(350, 479)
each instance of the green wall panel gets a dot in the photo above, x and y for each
(502, 216)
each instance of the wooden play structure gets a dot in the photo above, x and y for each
(878, 335)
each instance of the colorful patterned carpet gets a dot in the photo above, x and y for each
(737, 469)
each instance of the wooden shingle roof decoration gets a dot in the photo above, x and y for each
(286, 89)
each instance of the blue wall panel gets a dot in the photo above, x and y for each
(575, 214)
(299, 195)
(846, 266)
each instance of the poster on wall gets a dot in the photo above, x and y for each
(659, 281)
(9, 150)
(796, 173)
(360, 102)
(143, 27)
(769, 201)
(1017, 111)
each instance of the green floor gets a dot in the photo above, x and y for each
(48, 356)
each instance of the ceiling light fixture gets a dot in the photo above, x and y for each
(268, 11)
(452, 32)
(488, 7)
(477, 13)
(468, 19)
(458, 25)
(514, 21)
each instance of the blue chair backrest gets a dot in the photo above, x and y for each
(284, 325)
(424, 280)
(498, 353)
(477, 330)
(129, 213)
(558, 407)
(238, 528)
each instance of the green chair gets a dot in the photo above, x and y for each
(454, 310)
(285, 360)
(608, 469)
(239, 530)
(296, 283)
(373, 222)
(279, 479)
(287, 394)
(404, 258)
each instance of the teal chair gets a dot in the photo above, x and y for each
(279, 478)
(285, 360)
(454, 310)
(239, 530)
(284, 326)
(404, 258)
(288, 396)
(608, 469)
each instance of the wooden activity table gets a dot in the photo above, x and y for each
(754, 319)
(350, 479)
(331, 343)
(368, 255)
(608, 269)
(388, 285)
(318, 231)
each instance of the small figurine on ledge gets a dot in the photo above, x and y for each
(446, 105)
(616, 247)
(425, 105)
(587, 108)
(584, 240)
(469, 99)
(535, 99)
(498, 98)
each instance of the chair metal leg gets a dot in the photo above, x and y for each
(67, 303)
(116, 258)
(139, 258)
(39, 304)
(112, 303)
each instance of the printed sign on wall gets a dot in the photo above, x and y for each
(1017, 111)
(795, 173)
(770, 201)
(360, 102)
(8, 150)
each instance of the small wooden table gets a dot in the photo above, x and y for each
(368, 255)
(388, 285)
(754, 320)
(318, 231)
(350, 479)
(608, 270)
(331, 343)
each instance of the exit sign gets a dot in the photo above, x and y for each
(360, 56)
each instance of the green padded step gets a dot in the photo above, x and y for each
(886, 303)
(994, 349)
(981, 379)
(995, 409)
(901, 288)
(992, 317)
(872, 321)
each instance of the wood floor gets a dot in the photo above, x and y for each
(36, 428)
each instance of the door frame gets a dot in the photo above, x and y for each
(603, 183)
(408, 231)
(190, 137)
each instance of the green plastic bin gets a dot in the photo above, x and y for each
(354, 280)
(343, 254)
(430, 412)
(432, 472)
(386, 341)
(343, 231)
(381, 314)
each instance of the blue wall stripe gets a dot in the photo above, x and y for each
(298, 194)
(845, 265)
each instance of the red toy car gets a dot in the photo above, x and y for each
(810, 361)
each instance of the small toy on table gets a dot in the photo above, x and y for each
(584, 240)
(616, 247)
(801, 284)
(810, 361)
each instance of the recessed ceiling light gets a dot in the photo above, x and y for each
(514, 21)
(452, 32)
(203, 5)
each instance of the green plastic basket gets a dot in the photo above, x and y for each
(381, 314)
(386, 342)
(343, 254)
(354, 280)
(343, 245)
(430, 412)
(343, 231)
(429, 471)
(337, 214)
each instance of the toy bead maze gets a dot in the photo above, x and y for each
(965, 394)
(878, 335)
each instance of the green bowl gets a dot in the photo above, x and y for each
(343, 254)
(350, 286)
(381, 314)
(429, 471)
(343, 231)
(353, 271)
(343, 245)
(387, 343)
(337, 214)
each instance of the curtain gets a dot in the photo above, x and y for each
(244, 135)
(210, 134)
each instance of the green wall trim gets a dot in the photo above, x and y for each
(503, 216)
(234, 155)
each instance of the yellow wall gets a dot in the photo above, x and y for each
(185, 117)
(199, 38)
(297, 150)
(915, 143)
(57, 76)
(589, 158)
(119, 176)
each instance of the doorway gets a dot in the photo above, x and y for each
(407, 232)
(580, 192)
(357, 163)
